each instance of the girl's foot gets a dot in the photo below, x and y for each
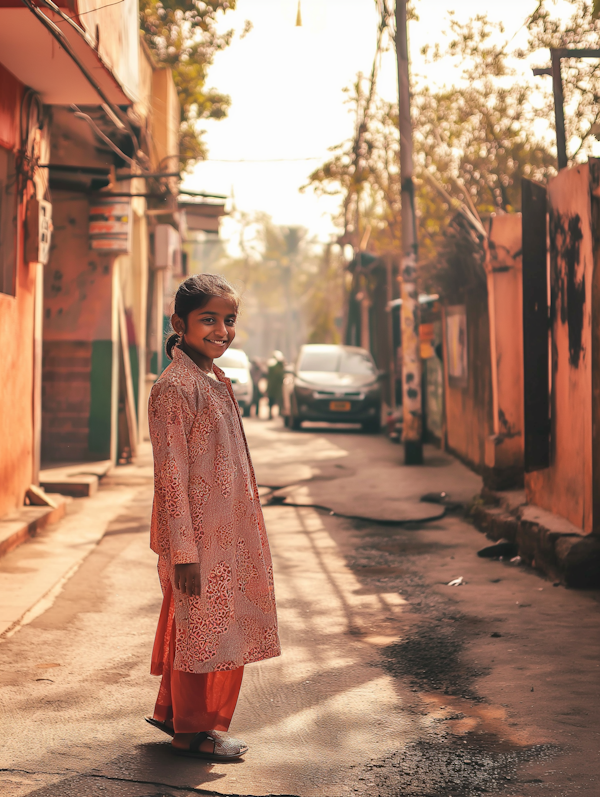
(211, 745)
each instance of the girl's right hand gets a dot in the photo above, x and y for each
(187, 579)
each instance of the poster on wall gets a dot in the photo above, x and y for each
(456, 344)
(110, 224)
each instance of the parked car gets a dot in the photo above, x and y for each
(236, 366)
(333, 383)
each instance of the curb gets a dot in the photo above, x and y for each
(29, 521)
(546, 542)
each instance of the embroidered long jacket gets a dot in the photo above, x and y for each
(206, 509)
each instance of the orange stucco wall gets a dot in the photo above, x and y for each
(505, 306)
(16, 345)
(565, 488)
(16, 395)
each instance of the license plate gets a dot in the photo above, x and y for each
(339, 406)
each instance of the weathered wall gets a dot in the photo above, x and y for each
(16, 395)
(16, 344)
(566, 486)
(79, 340)
(503, 266)
(165, 115)
(114, 28)
(468, 407)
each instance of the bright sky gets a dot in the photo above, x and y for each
(286, 84)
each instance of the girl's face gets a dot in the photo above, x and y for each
(208, 331)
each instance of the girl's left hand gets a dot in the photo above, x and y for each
(187, 579)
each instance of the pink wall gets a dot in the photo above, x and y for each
(565, 488)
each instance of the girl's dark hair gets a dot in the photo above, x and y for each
(196, 292)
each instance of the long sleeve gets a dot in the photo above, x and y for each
(171, 419)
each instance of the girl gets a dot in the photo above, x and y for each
(218, 610)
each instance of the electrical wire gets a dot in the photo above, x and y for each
(62, 39)
(91, 11)
(526, 21)
(81, 115)
(260, 160)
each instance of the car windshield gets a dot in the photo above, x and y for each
(337, 360)
(234, 358)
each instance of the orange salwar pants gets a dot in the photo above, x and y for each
(190, 702)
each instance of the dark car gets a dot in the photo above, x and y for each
(333, 383)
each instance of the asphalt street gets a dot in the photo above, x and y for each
(391, 682)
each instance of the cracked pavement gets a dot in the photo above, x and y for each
(391, 682)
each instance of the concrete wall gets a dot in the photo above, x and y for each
(565, 488)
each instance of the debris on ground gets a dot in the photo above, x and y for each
(502, 548)
(456, 582)
(442, 498)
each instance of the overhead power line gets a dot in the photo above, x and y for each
(260, 160)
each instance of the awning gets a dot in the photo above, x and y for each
(202, 216)
(30, 51)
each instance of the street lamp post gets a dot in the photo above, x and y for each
(411, 360)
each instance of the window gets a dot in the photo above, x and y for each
(233, 358)
(337, 360)
(8, 222)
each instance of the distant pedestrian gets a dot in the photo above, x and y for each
(257, 372)
(214, 564)
(275, 377)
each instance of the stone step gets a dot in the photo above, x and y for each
(20, 526)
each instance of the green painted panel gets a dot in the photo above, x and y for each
(101, 398)
(154, 363)
(166, 332)
(134, 362)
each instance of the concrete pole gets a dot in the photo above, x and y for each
(409, 316)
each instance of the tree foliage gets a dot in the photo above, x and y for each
(473, 142)
(282, 272)
(183, 35)
(581, 76)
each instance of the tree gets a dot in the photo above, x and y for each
(287, 278)
(473, 142)
(183, 35)
(581, 76)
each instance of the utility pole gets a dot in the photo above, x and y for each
(409, 316)
(556, 55)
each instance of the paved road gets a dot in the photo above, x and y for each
(391, 682)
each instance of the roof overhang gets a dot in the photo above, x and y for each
(30, 51)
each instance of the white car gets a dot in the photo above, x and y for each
(236, 366)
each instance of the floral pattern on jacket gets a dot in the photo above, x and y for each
(207, 509)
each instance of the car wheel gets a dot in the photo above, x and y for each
(371, 427)
(295, 423)
(246, 411)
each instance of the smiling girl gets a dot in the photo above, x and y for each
(218, 610)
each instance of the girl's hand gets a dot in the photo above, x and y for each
(187, 579)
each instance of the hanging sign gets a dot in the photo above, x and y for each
(110, 224)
